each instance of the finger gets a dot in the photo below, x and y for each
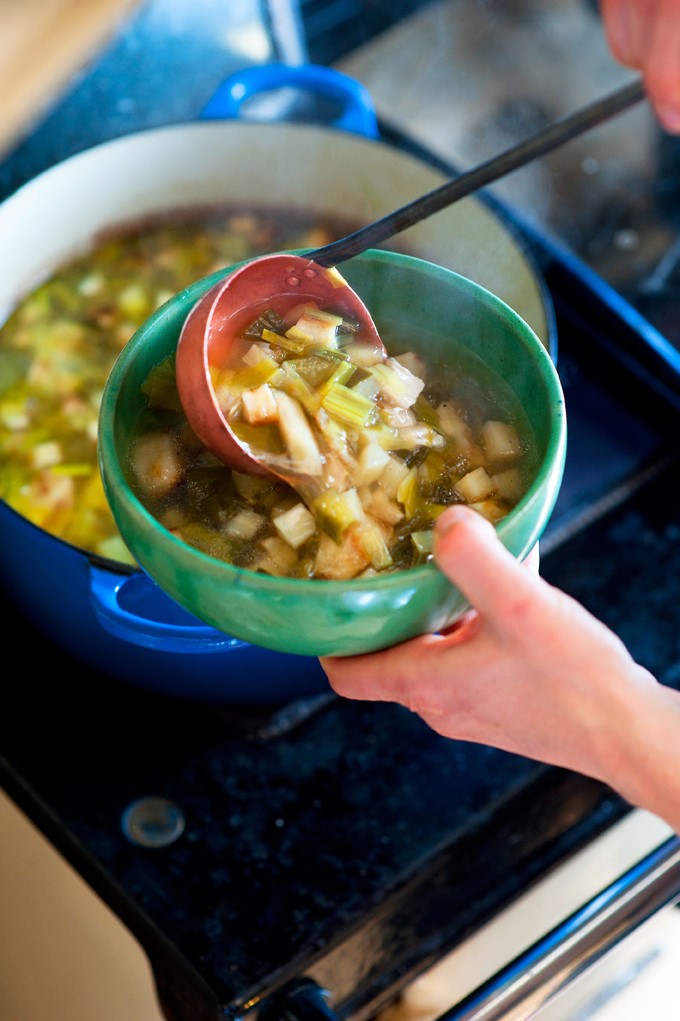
(468, 551)
(376, 676)
(662, 64)
(620, 28)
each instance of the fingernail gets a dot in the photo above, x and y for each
(670, 119)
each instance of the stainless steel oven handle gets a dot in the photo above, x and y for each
(535, 978)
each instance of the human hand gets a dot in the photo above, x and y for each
(529, 671)
(645, 35)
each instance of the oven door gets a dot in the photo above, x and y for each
(590, 965)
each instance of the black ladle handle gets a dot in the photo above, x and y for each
(471, 180)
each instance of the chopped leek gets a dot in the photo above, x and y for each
(335, 511)
(348, 406)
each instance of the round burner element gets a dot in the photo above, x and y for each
(153, 822)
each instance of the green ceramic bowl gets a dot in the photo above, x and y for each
(339, 617)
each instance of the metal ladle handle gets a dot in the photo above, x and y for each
(470, 181)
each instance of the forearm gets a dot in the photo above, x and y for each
(641, 754)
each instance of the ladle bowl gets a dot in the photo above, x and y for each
(212, 332)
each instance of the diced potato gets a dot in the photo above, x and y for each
(456, 429)
(245, 524)
(157, 463)
(259, 353)
(392, 476)
(315, 329)
(475, 486)
(249, 486)
(45, 455)
(339, 561)
(259, 405)
(379, 505)
(501, 442)
(490, 509)
(371, 463)
(277, 558)
(296, 525)
(414, 362)
(364, 355)
(397, 417)
(451, 422)
(509, 484)
(15, 416)
(298, 437)
(133, 301)
(413, 436)
(338, 471)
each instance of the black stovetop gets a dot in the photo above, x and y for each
(343, 841)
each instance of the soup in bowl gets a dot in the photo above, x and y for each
(483, 420)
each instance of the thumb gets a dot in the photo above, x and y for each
(468, 551)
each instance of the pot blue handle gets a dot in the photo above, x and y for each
(356, 110)
(161, 623)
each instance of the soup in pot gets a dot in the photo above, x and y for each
(58, 347)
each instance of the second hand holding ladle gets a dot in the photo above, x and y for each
(281, 282)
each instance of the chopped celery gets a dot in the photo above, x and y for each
(366, 385)
(342, 372)
(397, 384)
(318, 313)
(408, 493)
(335, 511)
(296, 386)
(425, 412)
(348, 406)
(374, 546)
(331, 353)
(423, 543)
(313, 369)
(269, 320)
(265, 438)
(160, 386)
(248, 378)
(74, 470)
(287, 343)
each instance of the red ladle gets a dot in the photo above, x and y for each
(213, 327)
(280, 282)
